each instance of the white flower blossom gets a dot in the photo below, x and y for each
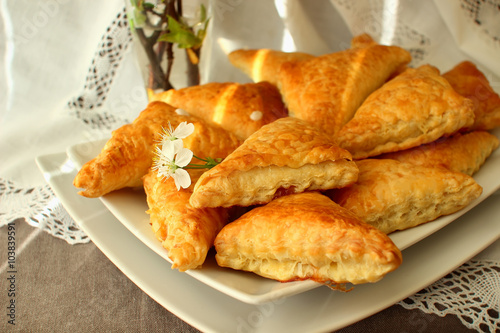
(171, 158)
(170, 163)
(174, 137)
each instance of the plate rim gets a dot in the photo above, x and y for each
(330, 322)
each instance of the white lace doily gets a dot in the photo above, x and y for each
(40, 208)
(38, 205)
(88, 105)
(468, 292)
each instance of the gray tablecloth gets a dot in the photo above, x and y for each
(75, 288)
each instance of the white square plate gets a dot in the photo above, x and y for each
(318, 310)
(129, 206)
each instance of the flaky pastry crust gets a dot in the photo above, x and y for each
(187, 233)
(416, 107)
(128, 155)
(264, 64)
(393, 195)
(238, 108)
(464, 153)
(327, 90)
(287, 156)
(471, 83)
(306, 236)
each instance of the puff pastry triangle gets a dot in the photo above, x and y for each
(416, 107)
(238, 108)
(187, 233)
(128, 154)
(264, 64)
(287, 156)
(306, 236)
(327, 90)
(365, 40)
(393, 195)
(470, 82)
(464, 153)
(362, 40)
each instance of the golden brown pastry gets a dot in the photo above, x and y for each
(287, 156)
(416, 107)
(238, 108)
(365, 40)
(362, 40)
(264, 64)
(393, 195)
(470, 82)
(464, 153)
(186, 232)
(306, 236)
(327, 90)
(128, 155)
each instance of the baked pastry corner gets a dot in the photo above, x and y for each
(416, 107)
(284, 157)
(306, 236)
(393, 195)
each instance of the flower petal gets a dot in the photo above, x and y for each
(183, 130)
(178, 144)
(168, 149)
(181, 178)
(183, 157)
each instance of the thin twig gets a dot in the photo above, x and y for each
(171, 11)
(161, 78)
(148, 45)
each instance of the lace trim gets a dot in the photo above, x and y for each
(468, 292)
(108, 56)
(484, 15)
(40, 208)
(38, 205)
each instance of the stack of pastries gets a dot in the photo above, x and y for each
(326, 154)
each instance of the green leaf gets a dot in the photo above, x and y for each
(203, 13)
(180, 34)
(139, 17)
(175, 26)
(203, 32)
(184, 39)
